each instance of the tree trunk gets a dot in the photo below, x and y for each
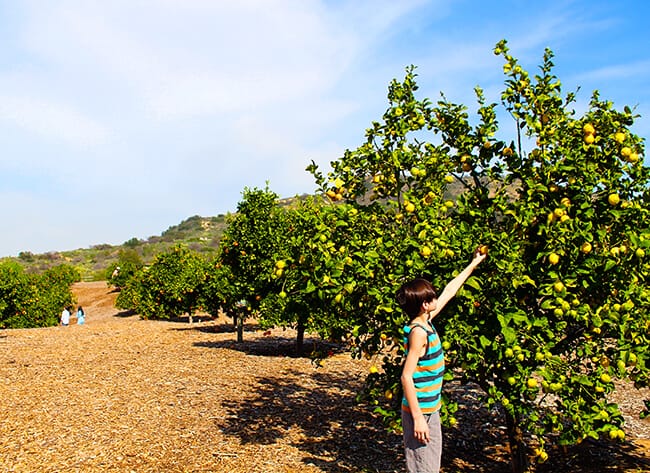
(300, 338)
(240, 329)
(518, 458)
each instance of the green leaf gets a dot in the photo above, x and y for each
(474, 283)
(509, 334)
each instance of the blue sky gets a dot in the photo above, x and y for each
(121, 118)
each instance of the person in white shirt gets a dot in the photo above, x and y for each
(65, 317)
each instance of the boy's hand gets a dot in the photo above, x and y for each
(421, 429)
(479, 255)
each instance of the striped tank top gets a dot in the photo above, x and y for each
(428, 373)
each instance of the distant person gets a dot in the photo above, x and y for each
(65, 317)
(81, 316)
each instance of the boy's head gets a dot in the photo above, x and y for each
(413, 294)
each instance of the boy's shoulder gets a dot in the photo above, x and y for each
(409, 328)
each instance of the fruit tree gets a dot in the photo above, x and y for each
(559, 311)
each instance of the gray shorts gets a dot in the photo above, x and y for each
(422, 457)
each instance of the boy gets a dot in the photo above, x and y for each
(423, 369)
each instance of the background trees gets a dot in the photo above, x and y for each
(170, 287)
(33, 300)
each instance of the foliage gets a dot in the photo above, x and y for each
(28, 300)
(129, 262)
(168, 288)
(248, 248)
(560, 309)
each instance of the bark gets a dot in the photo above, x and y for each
(518, 458)
(300, 338)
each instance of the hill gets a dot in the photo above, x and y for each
(198, 233)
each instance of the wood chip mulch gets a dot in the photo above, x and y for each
(120, 394)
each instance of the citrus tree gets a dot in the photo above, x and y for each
(168, 288)
(34, 300)
(248, 250)
(310, 286)
(559, 311)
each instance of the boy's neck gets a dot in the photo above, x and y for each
(423, 318)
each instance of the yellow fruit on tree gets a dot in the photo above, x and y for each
(588, 129)
(619, 137)
(531, 383)
(589, 139)
(633, 158)
(373, 369)
(409, 207)
(425, 251)
(554, 258)
(281, 264)
(507, 151)
(449, 179)
(625, 151)
(558, 286)
(613, 199)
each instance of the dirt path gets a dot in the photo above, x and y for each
(124, 394)
(120, 394)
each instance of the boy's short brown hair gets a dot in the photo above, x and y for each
(412, 294)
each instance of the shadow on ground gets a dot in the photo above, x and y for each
(320, 415)
(269, 345)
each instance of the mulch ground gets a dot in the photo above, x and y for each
(120, 394)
